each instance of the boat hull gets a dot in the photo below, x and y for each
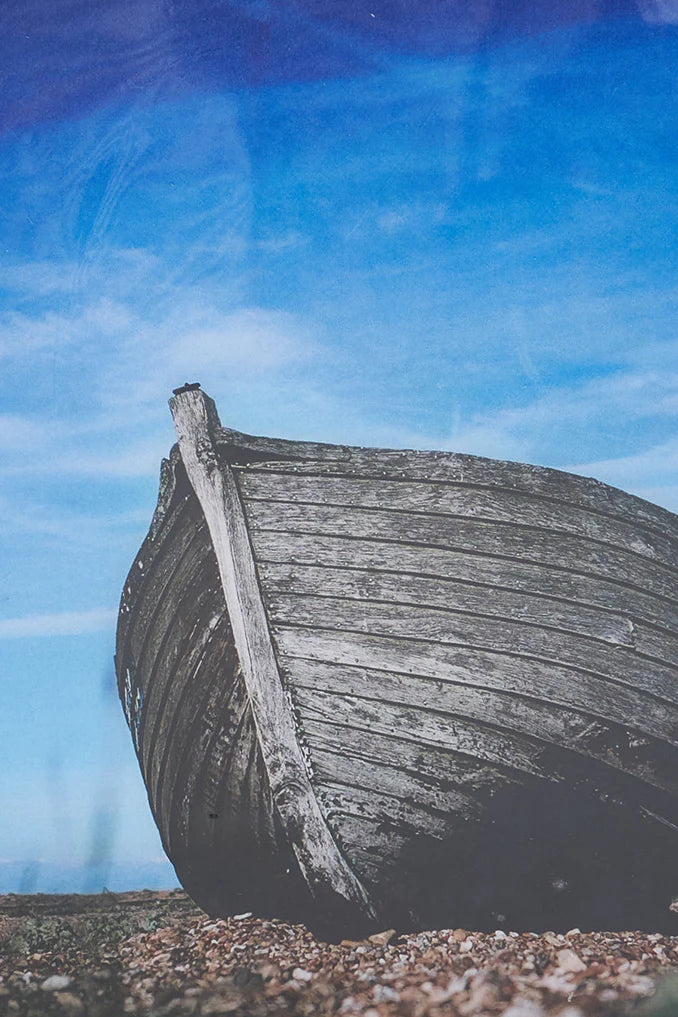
(480, 661)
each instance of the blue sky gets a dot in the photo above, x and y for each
(433, 225)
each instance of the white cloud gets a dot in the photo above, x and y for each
(18, 433)
(250, 338)
(65, 623)
(205, 344)
(39, 278)
(651, 474)
(23, 335)
(659, 12)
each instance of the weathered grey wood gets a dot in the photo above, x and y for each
(330, 768)
(539, 702)
(607, 737)
(445, 629)
(187, 631)
(153, 569)
(156, 601)
(481, 760)
(200, 706)
(443, 632)
(459, 734)
(317, 854)
(372, 846)
(412, 762)
(524, 753)
(451, 467)
(410, 816)
(491, 504)
(576, 554)
(476, 667)
(187, 758)
(280, 579)
(492, 574)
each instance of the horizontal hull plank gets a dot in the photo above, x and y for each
(577, 554)
(160, 595)
(447, 467)
(478, 570)
(281, 579)
(437, 633)
(351, 771)
(153, 569)
(526, 707)
(549, 770)
(177, 651)
(458, 500)
(340, 799)
(333, 725)
(608, 743)
(190, 759)
(440, 769)
(360, 721)
(371, 847)
(200, 704)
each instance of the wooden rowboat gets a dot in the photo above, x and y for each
(371, 688)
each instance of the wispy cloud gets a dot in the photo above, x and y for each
(651, 473)
(659, 12)
(65, 623)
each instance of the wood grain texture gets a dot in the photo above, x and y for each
(465, 650)
(455, 468)
(614, 628)
(458, 500)
(475, 569)
(191, 719)
(319, 858)
(444, 630)
(568, 552)
(606, 735)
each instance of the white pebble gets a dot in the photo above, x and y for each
(56, 982)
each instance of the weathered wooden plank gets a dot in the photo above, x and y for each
(458, 500)
(450, 467)
(159, 582)
(216, 742)
(372, 847)
(319, 858)
(612, 737)
(439, 768)
(542, 704)
(576, 554)
(458, 734)
(154, 555)
(333, 768)
(578, 656)
(331, 722)
(467, 568)
(398, 812)
(187, 632)
(503, 777)
(279, 579)
(196, 706)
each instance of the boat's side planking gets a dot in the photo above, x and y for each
(478, 670)
(504, 614)
(191, 718)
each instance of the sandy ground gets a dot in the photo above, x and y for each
(156, 953)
